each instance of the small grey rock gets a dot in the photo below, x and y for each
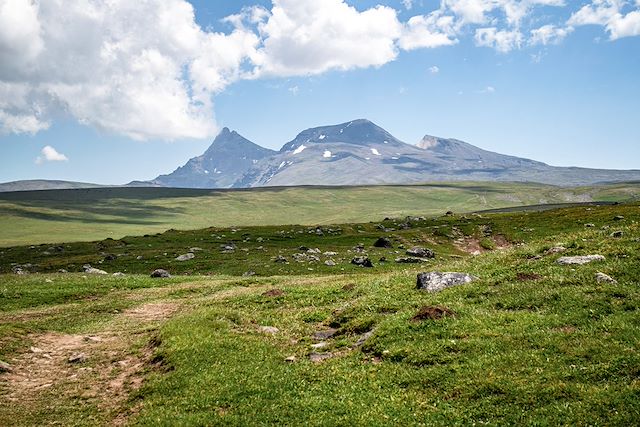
(589, 225)
(319, 357)
(323, 335)
(77, 358)
(90, 270)
(160, 273)
(330, 263)
(383, 242)
(269, 330)
(409, 260)
(280, 259)
(185, 257)
(421, 252)
(618, 218)
(555, 250)
(617, 234)
(435, 281)
(579, 260)
(362, 262)
(118, 274)
(603, 278)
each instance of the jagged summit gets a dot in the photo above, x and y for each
(357, 132)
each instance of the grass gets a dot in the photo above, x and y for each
(531, 342)
(34, 217)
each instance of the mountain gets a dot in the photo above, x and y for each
(43, 184)
(223, 164)
(361, 153)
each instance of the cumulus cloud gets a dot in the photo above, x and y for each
(428, 31)
(611, 15)
(50, 154)
(549, 34)
(141, 69)
(501, 40)
(311, 37)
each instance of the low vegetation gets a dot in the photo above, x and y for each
(256, 328)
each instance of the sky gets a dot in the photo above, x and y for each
(110, 91)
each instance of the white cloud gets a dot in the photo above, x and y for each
(294, 90)
(311, 37)
(434, 69)
(549, 34)
(50, 154)
(433, 30)
(610, 15)
(141, 69)
(501, 40)
(408, 4)
(488, 89)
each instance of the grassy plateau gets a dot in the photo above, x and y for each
(270, 322)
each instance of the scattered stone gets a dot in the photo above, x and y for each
(323, 335)
(618, 218)
(319, 345)
(290, 359)
(280, 259)
(185, 257)
(383, 242)
(449, 213)
(303, 248)
(362, 262)
(195, 249)
(617, 234)
(273, 293)
(383, 259)
(589, 225)
(118, 274)
(62, 270)
(435, 281)
(248, 273)
(409, 260)
(35, 350)
(48, 281)
(77, 358)
(269, 330)
(555, 250)
(330, 253)
(330, 263)
(90, 270)
(139, 257)
(110, 257)
(421, 252)
(432, 312)
(5, 367)
(160, 273)
(603, 278)
(314, 251)
(584, 259)
(230, 247)
(319, 357)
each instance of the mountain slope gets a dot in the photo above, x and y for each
(44, 184)
(224, 163)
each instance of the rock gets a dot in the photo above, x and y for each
(160, 273)
(421, 252)
(248, 273)
(62, 270)
(432, 312)
(449, 213)
(319, 357)
(185, 257)
(618, 218)
(314, 251)
(290, 359)
(409, 260)
(555, 250)
(589, 225)
(5, 367)
(323, 335)
(118, 274)
(329, 253)
(303, 248)
(230, 247)
(362, 262)
(436, 281)
(383, 242)
(319, 345)
(617, 234)
(280, 259)
(195, 249)
(77, 358)
(269, 330)
(90, 270)
(139, 257)
(330, 263)
(603, 278)
(584, 259)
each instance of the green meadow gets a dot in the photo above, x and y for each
(257, 329)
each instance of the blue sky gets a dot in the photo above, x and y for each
(131, 91)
